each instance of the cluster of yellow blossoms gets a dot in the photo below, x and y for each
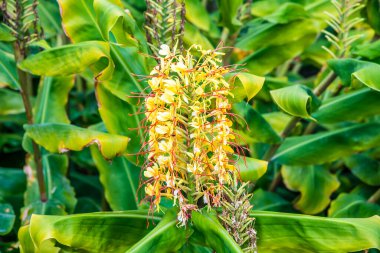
(190, 133)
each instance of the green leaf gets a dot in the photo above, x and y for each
(288, 233)
(13, 184)
(11, 102)
(252, 125)
(264, 35)
(194, 36)
(214, 233)
(71, 59)
(328, 146)
(370, 51)
(247, 86)
(50, 17)
(52, 98)
(124, 122)
(127, 72)
(197, 14)
(61, 138)
(353, 106)
(297, 100)
(286, 13)
(315, 183)
(113, 19)
(7, 218)
(51, 207)
(251, 169)
(26, 243)
(96, 19)
(165, 237)
(229, 11)
(352, 206)
(264, 60)
(81, 24)
(8, 70)
(55, 168)
(278, 120)
(365, 168)
(120, 180)
(371, 14)
(6, 34)
(119, 231)
(365, 72)
(79, 20)
(269, 201)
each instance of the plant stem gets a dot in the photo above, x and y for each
(25, 91)
(326, 82)
(375, 197)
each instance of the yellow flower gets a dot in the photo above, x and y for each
(165, 146)
(153, 172)
(164, 50)
(163, 116)
(168, 96)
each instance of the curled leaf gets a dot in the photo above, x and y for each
(297, 100)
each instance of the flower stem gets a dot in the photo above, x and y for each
(25, 91)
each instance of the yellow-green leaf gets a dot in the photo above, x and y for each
(59, 138)
(72, 59)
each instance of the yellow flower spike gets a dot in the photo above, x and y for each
(189, 130)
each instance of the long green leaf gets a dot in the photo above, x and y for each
(120, 180)
(164, 238)
(265, 35)
(124, 122)
(264, 60)
(252, 125)
(95, 233)
(229, 11)
(197, 14)
(328, 146)
(50, 18)
(213, 232)
(59, 138)
(269, 201)
(353, 106)
(289, 233)
(71, 59)
(52, 98)
(11, 102)
(352, 206)
(365, 168)
(8, 71)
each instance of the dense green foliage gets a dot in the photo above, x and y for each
(310, 131)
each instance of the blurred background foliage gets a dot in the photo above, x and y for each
(323, 146)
